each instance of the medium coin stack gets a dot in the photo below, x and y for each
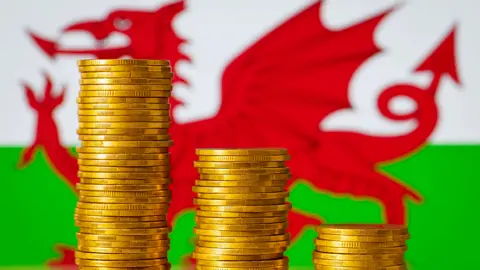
(361, 246)
(123, 164)
(241, 216)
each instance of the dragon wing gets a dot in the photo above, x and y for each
(275, 94)
(279, 89)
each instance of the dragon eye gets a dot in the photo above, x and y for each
(122, 24)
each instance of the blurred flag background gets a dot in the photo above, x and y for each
(377, 100)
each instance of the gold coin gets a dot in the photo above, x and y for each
(371, 264)
(117, 100)
(153, 200)
(127, 175)
(120, 131)
(344, 244)
(110, 238)
(126, 81)
(246, 239)
(238, 251)
(362, 229)
(128, 88)
(242, 152)
(121, 213)
(125, 231)
(123, 112)
(121, 257)
(237, 221)
(120, 93)
(238, 165)
(244, 196)
(249, 209)
(159, 168)
(151, 169)
(124, 106)
(138, 68)
(242, 227)
(209, 183)
(120, 144)
(125, 244)
(226, 190)
(133, 156)
(361, 250)
(215, 257)
(198, 201)
(118, 251)
(122, 150)
(330, 267)
(125, 194)
(245, 177)
(166, 266)
(126, 74)
(268, 263)
(245, 245)
(262, 158)
(97, 181)
(355, 257)
(204, 267)
(125, 263)
(118, 206)
(119, 219)
(125, 118)
(124, 125)
(118, 62)
(127, 163)
(143, 169)
(202, 213)
(218, 233)
(119, 188)
(364, 238)
(123, 225)
(243, 171)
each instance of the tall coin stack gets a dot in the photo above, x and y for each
(241, 216)
(123, 164)
(361, 247)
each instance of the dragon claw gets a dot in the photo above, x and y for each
(27, 157)
(43, 108)
(50, 100)
(48, 85)
(297, 221)
(31, 98)
(67, 257)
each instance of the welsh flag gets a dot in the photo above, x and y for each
(376, 101)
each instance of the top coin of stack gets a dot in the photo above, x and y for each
(242, 214)
(124, 164)
(360, 246)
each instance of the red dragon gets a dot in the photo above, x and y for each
(257, 88)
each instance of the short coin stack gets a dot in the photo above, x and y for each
(242, 210)
(123, 164)
(360, 247)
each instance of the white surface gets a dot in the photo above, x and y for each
(219, 30)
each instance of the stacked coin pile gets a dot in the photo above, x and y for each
(361, 247)
(123, 164)
(242, 213)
